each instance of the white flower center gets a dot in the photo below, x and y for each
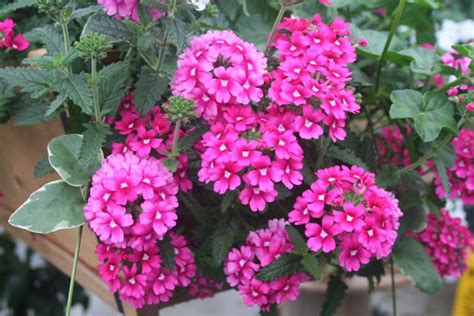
(111, 267)
(147, 181)
(263, 172)
(224, 83)
(323, 234)
(223, 147)
(293, 48)
(113, 224)
(245, 153)
(281, 142)
(158, 215)
(146, 141)
(296, 94)
(124, 185)
(308, 123)
(321, 197)
(227, 174)
(349, 218)
(132, 281)
(370, 232)
(353, 252)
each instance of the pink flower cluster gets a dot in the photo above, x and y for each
(256, 150)
(261, 248)
(461, 174)
(344, 210)
(149, 136)
(132, 201)
(138, 273)
(8, 39)
(313, 72)
(446, 240)
(128, 9)
(203, 287)
(391, 146)
(219, 70)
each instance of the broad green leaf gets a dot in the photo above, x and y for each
(285, 265)
(43, 168)
(254, 29)
(82, 12)
(49, 36)
(77, 88)
(116, 30)
(112, 86)
(30, 80)
(53, 207)
(415, 263)
(94, 138)
(228, 200)
(387, 176)
(28, 111)
(334, 295)
(149, 89)
(171, 164)
(221, 242)
(296, 238)
(230, 8)
(63, 152)
(177, 32)
(55, 104)
(185, 143)
(311, 265)
(440, 166)
(375, 41)
(167, 253)
(465, 50)
(13, 6)
(423, 60)
(345, 155)
(430, 112)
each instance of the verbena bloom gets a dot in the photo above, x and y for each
(139, 275)
(127, 9)
(8, 38)
(392, 147)
(219, 70)
(461, 174)
(262, 247)
(447, 241)
(345, 211)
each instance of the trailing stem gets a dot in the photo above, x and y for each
(95, 91)
(73, 272)
(393, 29)
(278, 19)
(394, 293)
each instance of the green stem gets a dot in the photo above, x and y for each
(65, 37)
(393, 28)
(73, 272)
(162, 52)
(394, 294)
(275, 24)
(95, 91)
(174, 149)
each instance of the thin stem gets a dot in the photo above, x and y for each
(95, 91)
(73, 272)
(278, 19)
(65, 37)
(393, 28)
(174, 149)
(162, 52)
(323, 148)
(394, 294)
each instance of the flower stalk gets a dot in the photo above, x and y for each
(73, 272)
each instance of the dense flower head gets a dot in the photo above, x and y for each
(219, 70)
(391, 146)
(203, 287)
(128, 9)
(140, 277)
(461, 174)
(151, 135)
(344, 210)
(253, 151)
(8, 38)
(131, 197)
(447, 241)
(261, 248)
(313, 73)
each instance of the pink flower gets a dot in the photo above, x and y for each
(239, 266)
(307, 125)
(290, 171)
(350, 218)
(245, 152)
(242, 117)
(161, 219)
(226, 177)
(263, 175)
(134, 285)
(111, 225)
(353, 255)
(256, 198)
(226, 83)
(322, 236)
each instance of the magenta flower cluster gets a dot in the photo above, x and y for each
(219, 70)
(128, 9)
(256, 150)
(345, 211)
(138, 274)
(203, 287)
(447, 241)
(461, 174)
(8, 38)
(313, 72)
(391, 146)
(261, 248)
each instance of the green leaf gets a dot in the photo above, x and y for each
(430, 112)
(334, 296)
(465, 50)
(112, 86)
(311, 265)
(345, 155)
(177, 32)
(423, 60)
(296, 238)
(387, 176)
(30, 80)
(230, 8)
(116, 30)
(53, 207)
(49, 36)
(77, 88)
(45, 62)
(55, 104)
(28, 111)
(228, 200)
(171, 164)
(43, 168)
(440, 166)
(82, 12)
(415, 263)
(149, 90)
(168, 257)
(185, 143)
(221, 241)
(285, 265)
(375, 41)
(63, 152)
(13, 6)
(254, 29)
(94, 138)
